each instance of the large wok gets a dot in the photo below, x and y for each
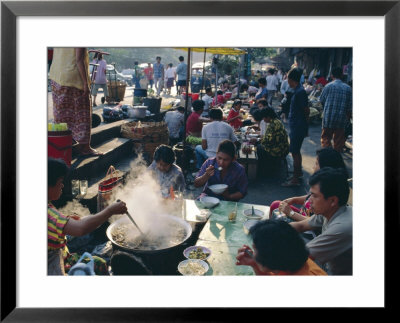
(170, 221)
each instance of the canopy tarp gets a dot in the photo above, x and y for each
(216, 50)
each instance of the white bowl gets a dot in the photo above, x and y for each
(258, 214)
(218, 188)
(209, 201)
(188, 250)
(202, 263)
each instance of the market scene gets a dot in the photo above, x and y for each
(200, 161)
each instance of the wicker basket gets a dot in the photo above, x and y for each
(116, 91)
(147, 137)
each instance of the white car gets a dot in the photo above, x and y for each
(119, 76)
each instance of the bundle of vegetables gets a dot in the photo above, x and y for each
(192, 140)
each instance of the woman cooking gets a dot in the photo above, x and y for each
(223, 169)
(60, 225)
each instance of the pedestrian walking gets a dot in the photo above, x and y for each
(100, 80)
(336, 98)
(148, 71)
(136, 76)
(158, 75)
(181, 72)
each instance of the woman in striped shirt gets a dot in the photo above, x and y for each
(60, 225)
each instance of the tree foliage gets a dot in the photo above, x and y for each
(260, 54)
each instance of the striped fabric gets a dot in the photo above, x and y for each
(56, 222)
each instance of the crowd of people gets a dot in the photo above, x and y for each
(324, 211)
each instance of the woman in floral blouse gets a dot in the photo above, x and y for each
(275, 143)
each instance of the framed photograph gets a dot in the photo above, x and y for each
(28, 28)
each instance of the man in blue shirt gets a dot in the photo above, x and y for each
(298, 124)
(181, 71)
(336, 98)
(262, 91)
(158, 75)
(223, 169)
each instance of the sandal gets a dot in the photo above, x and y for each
(290, 184)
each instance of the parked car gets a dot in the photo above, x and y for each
(119, 76)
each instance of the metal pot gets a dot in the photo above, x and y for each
(139, 111)
(167, 219)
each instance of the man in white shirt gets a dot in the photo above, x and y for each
(100, 80)
(272, 84)
(175, 121)
(212, 134)
(207, 98)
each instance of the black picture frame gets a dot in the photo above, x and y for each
(10, 10)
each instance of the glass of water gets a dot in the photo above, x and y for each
(75, 187)
(83, 187)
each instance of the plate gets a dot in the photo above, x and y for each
(187, 251)
(184, 263)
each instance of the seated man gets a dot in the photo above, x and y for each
(207, 98)
(223, 169)
(329, 190)
(174, 121)
(194, 123)
(220, 99)
(167, 173)
(262, 89)
(211, 135)
(278, 250)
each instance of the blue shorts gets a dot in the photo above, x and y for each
(181, 83)
(296, 140)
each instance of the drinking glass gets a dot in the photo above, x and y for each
(75, 187)
(178, 195)
(83, 187)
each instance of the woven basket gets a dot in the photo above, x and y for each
(148, 131)
(115, 88)
(147, 138)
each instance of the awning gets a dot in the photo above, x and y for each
(216, 50)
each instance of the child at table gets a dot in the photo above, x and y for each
(223, 169)
(234, 117)
(278, 250)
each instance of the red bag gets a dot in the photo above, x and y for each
(107, 187)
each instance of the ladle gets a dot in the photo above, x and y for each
(133, 221)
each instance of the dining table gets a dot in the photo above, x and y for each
(222, 236)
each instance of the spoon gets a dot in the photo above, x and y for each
(133, 221)
(252, 211)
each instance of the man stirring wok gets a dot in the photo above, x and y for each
(223, 169)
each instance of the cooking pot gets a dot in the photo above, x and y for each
(175, 227)
(139, 111)
(140, 92)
